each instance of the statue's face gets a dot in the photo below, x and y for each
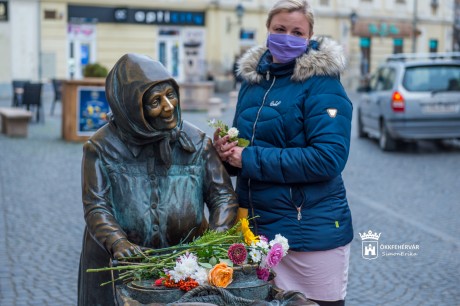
(159, 104)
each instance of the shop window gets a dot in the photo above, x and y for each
(398, 45)
(433, 44)
(365, 44)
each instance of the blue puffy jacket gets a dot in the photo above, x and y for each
(297, 117)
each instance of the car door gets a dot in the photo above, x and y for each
(371, 102)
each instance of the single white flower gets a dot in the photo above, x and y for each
(255, 255)
(263, 245)
(233, 132)
(178, 274)
(186, 265)
(201, 276)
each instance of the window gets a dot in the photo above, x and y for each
(384, 79)
(433, 44)
(397, 45)
(365, 43)
(432, 78)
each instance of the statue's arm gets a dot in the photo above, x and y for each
(218, 192)
(97, 197)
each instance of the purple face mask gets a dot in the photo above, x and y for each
(284, 48)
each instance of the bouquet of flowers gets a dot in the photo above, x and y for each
(207, 260)
(224, 131)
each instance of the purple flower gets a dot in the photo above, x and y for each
(275, 255)
(263, 238)
(263, 273)
(237, 253)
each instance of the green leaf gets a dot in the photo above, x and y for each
(205, 265)
(243, 142)
(227, 261)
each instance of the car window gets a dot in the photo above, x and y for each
(432, 78)
(383, 79)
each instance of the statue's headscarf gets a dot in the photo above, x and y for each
(131, 77)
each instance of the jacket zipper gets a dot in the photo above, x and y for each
(252, 142)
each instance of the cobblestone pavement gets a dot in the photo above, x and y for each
(41, 220)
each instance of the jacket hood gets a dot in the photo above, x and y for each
(130, 78)
(324, 57)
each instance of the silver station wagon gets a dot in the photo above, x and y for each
(412, 97)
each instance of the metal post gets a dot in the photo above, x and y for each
(414, 28)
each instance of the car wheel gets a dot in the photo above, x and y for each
(361, 133)
(386, 142)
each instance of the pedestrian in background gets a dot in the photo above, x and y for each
(236, 77)
(297, 116)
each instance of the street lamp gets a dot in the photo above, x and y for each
(239, 10)
(353, 20)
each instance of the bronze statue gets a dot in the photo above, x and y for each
(146, 175)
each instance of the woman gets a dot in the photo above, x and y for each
(146, 176)
(297, 116)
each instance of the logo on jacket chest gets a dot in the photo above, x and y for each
(275, 103)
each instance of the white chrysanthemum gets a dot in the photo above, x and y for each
(281, 240)
(188, 262)
(178, 274)
(233, 132)
(186, 266)
(201, 276)
(255, 255)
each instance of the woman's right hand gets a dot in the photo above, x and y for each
(222, 146)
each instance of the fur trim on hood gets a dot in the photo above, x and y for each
(327, 60)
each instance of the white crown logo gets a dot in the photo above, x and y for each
(369, 235)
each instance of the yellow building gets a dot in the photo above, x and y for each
(44, 39)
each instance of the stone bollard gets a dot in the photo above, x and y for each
(233, 98)
(215, 107)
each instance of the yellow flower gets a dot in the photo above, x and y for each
(248, 235)
(220, 275)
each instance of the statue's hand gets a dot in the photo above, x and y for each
(124, 248)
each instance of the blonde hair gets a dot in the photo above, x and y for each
(290, 6)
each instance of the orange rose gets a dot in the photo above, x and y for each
(220, 275)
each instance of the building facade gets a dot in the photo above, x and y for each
(196, 39)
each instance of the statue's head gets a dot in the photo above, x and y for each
(144, 98)
(159, 103)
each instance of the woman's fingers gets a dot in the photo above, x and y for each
(228, 145)
(216, 135)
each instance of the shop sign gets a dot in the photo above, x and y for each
(3, 10)
(92, 109)
(382, 29)
(166, 17)
(136, 15)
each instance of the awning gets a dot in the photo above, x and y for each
(366, 28)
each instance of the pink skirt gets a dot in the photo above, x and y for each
(320, 275)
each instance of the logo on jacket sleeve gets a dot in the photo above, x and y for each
(332, 112)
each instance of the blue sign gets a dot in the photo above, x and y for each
(92, 109)
(136, 15)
